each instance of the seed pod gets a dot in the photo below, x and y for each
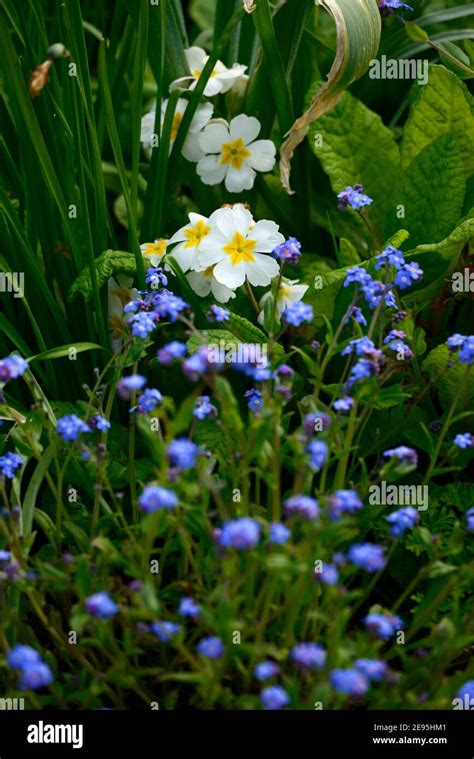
(58, 50)
(39, 78)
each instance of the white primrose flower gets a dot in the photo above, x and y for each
(120, 292)
(203, 282)
(221, 79)
(191, 149)
(232, 154)
(190, 238)
(289, 292)
(236, 246)
(153, 252)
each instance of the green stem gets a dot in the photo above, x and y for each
(274, 64)
(446, 426)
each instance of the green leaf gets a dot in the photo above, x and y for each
(30, 499)
(348, 255)
(432, 190)
(212, 437)
(323, 298)
(440, 260)
(358, 28)
(109, 263)
(391, 396)
(447, 379)
(397, 239)
(211, 337)
(352, 147)
(444, 105)
(278, 80)
(244, 330)
(415, 32)
(64, 350)
(455, 59)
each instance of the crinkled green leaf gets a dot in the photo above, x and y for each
(245, 330)
(432, 190)
(439, 260)
(348, 255)
(109, 263)
(444, 106)
(387, 397)
(448, 379)
(353, 146)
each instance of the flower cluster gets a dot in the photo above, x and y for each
(224, 152)
(463, 346)
(9, 463)
(34, 673)
(12, 367)
(353, 197)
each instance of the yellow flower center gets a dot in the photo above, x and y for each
(195, 234)
(115, 326)
(240, 249)
(197, 73)
(157, 248)
(284, 293)
(234, 153)
(178, 117)
(208, 272)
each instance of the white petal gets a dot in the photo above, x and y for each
(238, 180)
(242, 217)
(297, 293)
(266, 235)
(262, 270)
(210, 253)
(178, 236)
(147, 127)
(191, 148)
(195, 217)
(213, 136)
(246, 127)
(281, 305)
(154, 260)
(239, 85)
(228, 274)
(228, 221)
(228, 77)
(184, 256)
(221, 292)
(263, 155)
(213, 87)
(211, 170)
(196, 58)
(199, 283)
(264, 299)
(183, 81)
(180, 107)
(201, 117)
